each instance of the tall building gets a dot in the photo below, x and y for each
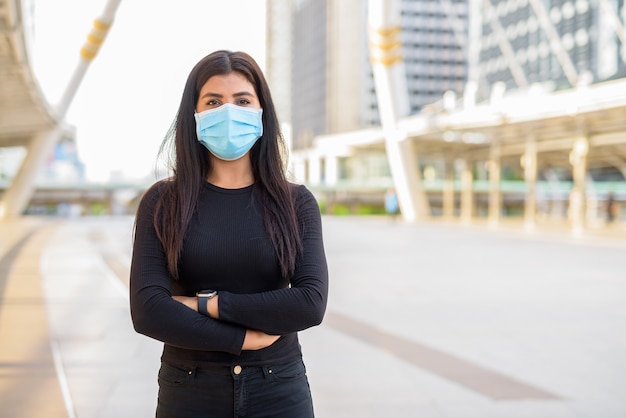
(557, 42)
(278, 57)
(332, 86)
(435, 44)
(309, 75)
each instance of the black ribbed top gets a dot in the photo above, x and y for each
(227, 249)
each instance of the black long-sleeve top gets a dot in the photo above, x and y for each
(226, 248)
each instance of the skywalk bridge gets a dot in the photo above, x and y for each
(26, 118)
(25, 115)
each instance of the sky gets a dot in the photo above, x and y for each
(131, 91)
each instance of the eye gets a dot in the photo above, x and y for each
(213, 102)
(243, 102)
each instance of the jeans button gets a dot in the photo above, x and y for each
(237, 369)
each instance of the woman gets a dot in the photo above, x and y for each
(228, 259)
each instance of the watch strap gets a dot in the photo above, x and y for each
(203, 302)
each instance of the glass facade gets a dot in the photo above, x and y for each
(550, 41)
(308, 77)
(434, 34)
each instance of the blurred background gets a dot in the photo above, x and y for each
(503, 110)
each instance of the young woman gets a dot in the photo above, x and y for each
(228, 260)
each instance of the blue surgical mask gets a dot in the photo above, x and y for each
(229, 131)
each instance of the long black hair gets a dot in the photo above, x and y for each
(191, 166)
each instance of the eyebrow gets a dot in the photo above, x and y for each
(240, 94)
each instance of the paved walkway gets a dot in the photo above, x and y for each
(429, 320)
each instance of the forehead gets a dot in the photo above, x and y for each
(233, 81)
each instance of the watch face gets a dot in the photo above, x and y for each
(207, 293)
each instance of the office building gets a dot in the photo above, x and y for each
(557, 43)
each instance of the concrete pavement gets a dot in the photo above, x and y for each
(427, 320)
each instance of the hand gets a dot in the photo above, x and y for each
(256, 340)
(189, 301)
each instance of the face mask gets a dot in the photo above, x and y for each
(229, 131)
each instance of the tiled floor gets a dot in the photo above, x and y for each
(427, 320)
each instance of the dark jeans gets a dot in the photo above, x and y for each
(234, 392)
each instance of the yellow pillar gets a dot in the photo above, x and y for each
(467, 193)
(577, 206)
(495, 192)
(448, 189)
(528, 162)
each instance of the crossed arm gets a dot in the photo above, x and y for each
(253, 340)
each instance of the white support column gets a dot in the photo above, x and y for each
(577, 204)
(16, 197)
(467, 193)
(331, 170)
(298, 167)
(495, 192)
(448, 189)
(393, 103)
(528, 161)
(315, 170)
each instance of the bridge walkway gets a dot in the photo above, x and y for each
(428, 320)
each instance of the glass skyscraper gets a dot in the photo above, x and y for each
(556, 42)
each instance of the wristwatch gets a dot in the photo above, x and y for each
(203, 299)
